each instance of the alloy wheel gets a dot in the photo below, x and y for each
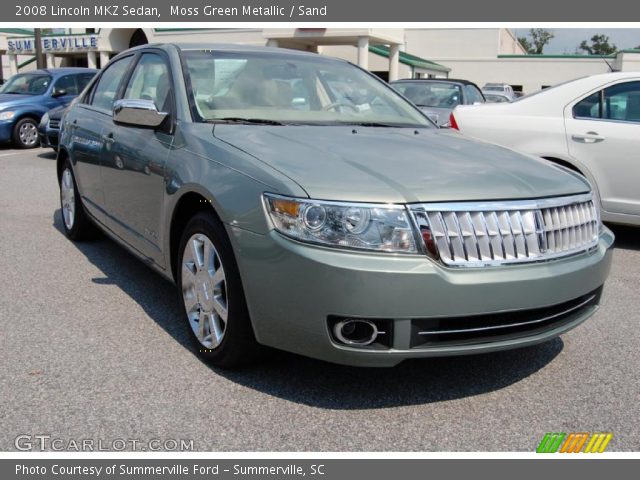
(204, 290)
(68, 198)
(28, 134)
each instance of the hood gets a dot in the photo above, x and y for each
(10, 99)
(439, 115)
(398, 165)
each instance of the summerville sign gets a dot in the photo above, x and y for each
(69, 43)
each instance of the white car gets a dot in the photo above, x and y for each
(591, 125)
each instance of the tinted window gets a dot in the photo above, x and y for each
(27, 84)
(619, 102)
(431, 94)
(83, 80)
(589, 107)
(66, 83)
(105, 91)
(473, 94)
(622, 102)
(150, 81)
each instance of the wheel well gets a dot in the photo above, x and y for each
(188, 205)
(62, 157)
(564, 163)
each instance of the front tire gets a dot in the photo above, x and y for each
(76, 224)
(25, 133)
(212, 295)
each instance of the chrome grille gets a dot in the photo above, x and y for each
(54, 123)
(476, 234)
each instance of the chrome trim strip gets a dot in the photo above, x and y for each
(496, 327)
(499, 205)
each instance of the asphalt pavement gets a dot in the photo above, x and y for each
(93, 347)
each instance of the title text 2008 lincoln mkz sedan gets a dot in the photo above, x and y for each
(298, 202)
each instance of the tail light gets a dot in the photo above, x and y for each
(452, 122)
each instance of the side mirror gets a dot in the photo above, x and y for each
(138, 113)
(59, 92)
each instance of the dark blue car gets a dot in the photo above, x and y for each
(26, 97)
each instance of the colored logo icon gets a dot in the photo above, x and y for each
(574, 442)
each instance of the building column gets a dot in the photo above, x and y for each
(394, 62)
(363, 52)
(272, 42)
(104, 58)
(92, 61)
(50, 60)
(13, 64)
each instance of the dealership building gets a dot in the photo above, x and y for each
(481, 55)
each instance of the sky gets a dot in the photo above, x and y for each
(566, 40)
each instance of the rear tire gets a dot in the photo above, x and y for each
(212, 295)
(77, 225)
(25, 133)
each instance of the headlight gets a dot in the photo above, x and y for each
(44, 120)
(383, 228)
(6, 115)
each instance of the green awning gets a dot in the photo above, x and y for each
(411, 60)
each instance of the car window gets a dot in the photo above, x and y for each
(431, 94)
(66, 83)
(473, 94)
(83, 80)
(150, 81)
(27, 84)
(622, 102)
(619, 102)
(283, 87)
(105, 91)
(590, 107)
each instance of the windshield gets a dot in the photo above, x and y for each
(285, 88)
(431, 94)
(27, 84)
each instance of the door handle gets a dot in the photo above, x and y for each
(589, 137)
(108, 138)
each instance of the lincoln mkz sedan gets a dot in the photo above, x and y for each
(300, 203)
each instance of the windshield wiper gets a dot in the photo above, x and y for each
(373, 124)
(256, 121)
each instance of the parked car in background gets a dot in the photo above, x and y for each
(438, 97)
(502, 88)
(351, 230)
(49, 128)
(26, 97)
(591, 125)
(494, 97)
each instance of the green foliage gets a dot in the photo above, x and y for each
(599, 46)
(536, 41)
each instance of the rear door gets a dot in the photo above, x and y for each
(85, 124)
(603, 134)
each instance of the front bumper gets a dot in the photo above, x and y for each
(6, 131)
(48, 137)
(293, 290)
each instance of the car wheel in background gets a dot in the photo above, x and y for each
(76, 224)
(212, 295)
(25, 133)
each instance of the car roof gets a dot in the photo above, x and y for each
(230, 47)
(438, 80)
(62, 71)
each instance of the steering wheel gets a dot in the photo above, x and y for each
(334, 105)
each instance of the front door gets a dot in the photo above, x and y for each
(133, 162)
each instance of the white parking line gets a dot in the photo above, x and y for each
(10, 154)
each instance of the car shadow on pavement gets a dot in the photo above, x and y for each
(627, 237)
(313, 382)
(48, 154)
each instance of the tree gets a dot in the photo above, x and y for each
(539, 39)
(599, 46)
